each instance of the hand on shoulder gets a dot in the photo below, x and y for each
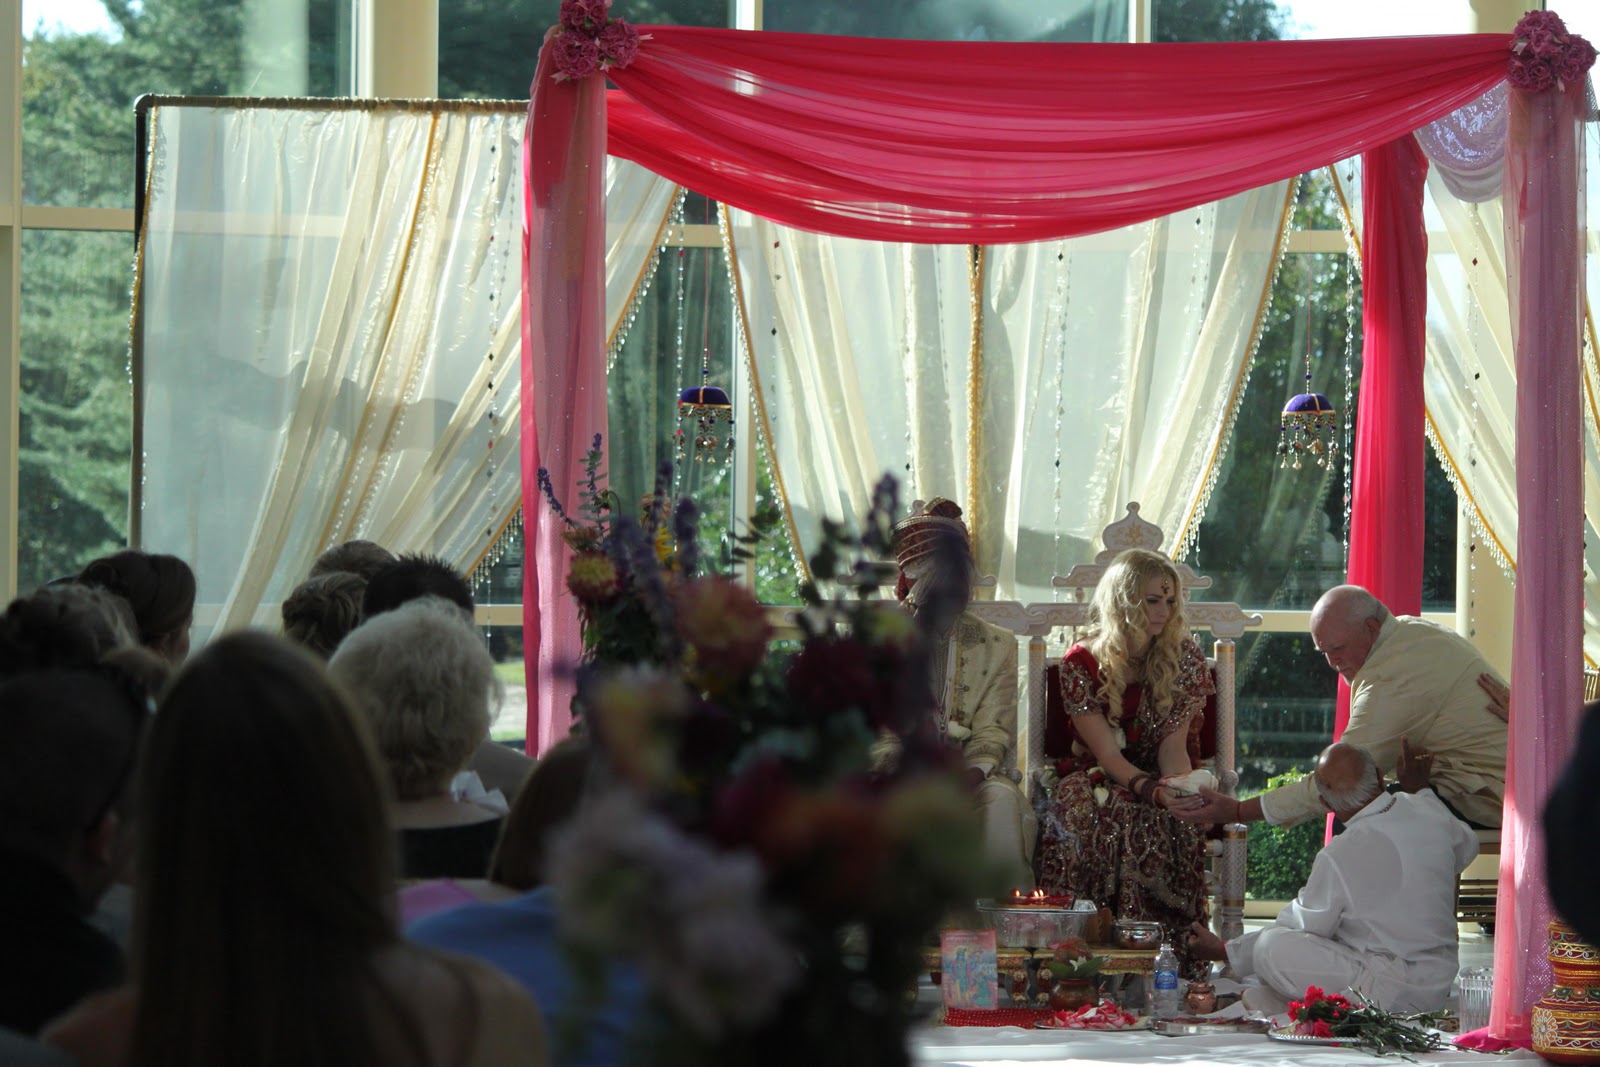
(98, 1031)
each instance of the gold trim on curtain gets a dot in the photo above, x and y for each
(647, 271)
(368, 414)
(736, 286)
(1195, 512)
(136, 350)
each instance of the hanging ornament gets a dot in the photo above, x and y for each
(1308, 423)
(702, 409)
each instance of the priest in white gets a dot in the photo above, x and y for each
(1377, 915)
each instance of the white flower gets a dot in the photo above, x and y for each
(1101, 795)
(627, 881)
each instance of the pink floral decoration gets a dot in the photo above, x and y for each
(619, 43)
(591, 40)
(1545, 56)
(584, 14)
(575, 55)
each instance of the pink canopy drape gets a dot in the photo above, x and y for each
(941, 142)
(1544, 267)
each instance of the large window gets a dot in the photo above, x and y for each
(83, 66)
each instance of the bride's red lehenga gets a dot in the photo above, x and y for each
(1127, 854)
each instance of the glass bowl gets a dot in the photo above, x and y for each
(1020, 926)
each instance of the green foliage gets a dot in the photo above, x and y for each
(1278, 858)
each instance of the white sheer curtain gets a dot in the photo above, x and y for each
(331, 334)
(1105, 370)
(1470, 378)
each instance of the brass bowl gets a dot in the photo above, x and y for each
(1130, 934)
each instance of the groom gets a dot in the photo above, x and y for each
(974, 673)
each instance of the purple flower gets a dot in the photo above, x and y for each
(584, 14)
(575, 55)
(619, 43)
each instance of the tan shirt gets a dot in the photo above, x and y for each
(979, 693)
(1420, 681)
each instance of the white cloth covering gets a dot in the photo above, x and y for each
(1378, 912)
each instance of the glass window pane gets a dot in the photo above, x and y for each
(505, 645)
(77, 401)
(79, 84)
(1221, 20)
(948, 20)
(487, 48)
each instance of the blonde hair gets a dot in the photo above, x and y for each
(1117, 619)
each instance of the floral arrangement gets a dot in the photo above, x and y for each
(1364, 1025)
(590, 40)
(1545, 56)
(1071, 960)
(774, 887)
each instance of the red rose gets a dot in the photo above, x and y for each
(575, 55)
(1321, 1029)
(584, 14)
(619, 43)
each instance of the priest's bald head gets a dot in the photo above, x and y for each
(1344, 626)
(1348, 779)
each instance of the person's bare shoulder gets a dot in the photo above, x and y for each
(448, 991)
(96, 1033)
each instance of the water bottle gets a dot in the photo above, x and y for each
(1165, 1001)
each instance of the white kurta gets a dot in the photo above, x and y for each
(1420, 681)
(1378, 912)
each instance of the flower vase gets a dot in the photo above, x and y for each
(1566, 1023)
(1070, 994)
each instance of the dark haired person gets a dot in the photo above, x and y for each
(161, 591)
(361, 558)
(323, 610)
(68, 739)
(412, 577)
(63, 625)
(264, 933)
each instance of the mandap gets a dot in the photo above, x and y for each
(981, 143)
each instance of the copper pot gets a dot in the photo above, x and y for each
(1201, 998)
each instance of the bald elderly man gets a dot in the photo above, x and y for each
(1377, 915)
(1416, 691)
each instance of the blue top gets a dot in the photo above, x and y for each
(521, 938)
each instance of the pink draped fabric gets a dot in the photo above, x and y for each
(563, 367)
(1544, 260)
(976, 142)
(1386, 515)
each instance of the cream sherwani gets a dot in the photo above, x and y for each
(978, 709)
(1377, 914)
(1420, 681)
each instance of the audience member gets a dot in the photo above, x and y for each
(263, 934)
(1571, 817)
(68, 739)
(521, 935)
(1377, 916)
(545, 803)
(323, 609)
(361, 558)
(161, 591)
(424, 681)
(414, 576)
(64, 625)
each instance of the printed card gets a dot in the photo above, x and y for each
(971, 974)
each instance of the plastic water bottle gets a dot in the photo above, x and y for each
(1165, 1001)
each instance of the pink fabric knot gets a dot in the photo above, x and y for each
(575, 55)
(1545, 56)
